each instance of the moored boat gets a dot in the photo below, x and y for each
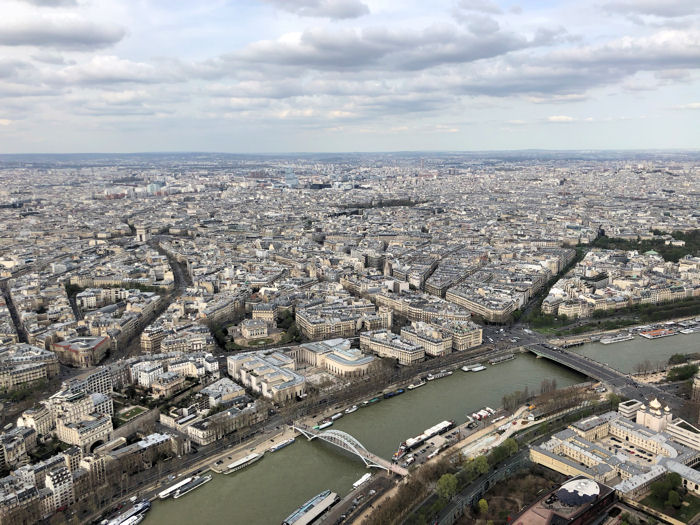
(171, 490)
(312, 509)
(194, 484)
(413, 386)
(439, 375)
(351, 409)
(616, 338)
(281, 445)
(243, 463)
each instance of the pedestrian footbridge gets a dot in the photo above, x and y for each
(350, 444)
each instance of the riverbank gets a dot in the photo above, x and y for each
(589, 336)
(273, 487)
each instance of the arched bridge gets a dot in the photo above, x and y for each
(350, 444)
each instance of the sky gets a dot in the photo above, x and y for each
(250, 76)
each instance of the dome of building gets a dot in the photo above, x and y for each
(578, 492)
(655, 405)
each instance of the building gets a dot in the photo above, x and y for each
(270, 374)
(627, 455)
(82, 352)
(253, 328)
(223, 391)
(60, 482)
(434, 340)
(387, 344)
(22, 364)
(97, 381)
(92, 431)
(465, 334)
(167, 384)
(39, 418)
(336, 356)
(579, 501)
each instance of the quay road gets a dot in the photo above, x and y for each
(620, 383)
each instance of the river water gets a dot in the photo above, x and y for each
(625, 356)
(269, 490)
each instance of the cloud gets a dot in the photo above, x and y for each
(377, 49)
(66, 33)
(560, 118)
(333, 9)
(483, 6)
(558, 99)
(52, 3)
(660, 8)
(692, 105)
(107, 69)
(5, 122)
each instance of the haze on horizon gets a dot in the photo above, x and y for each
(348, 75)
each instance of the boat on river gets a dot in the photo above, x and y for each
(281, 445)
(172, 490)
(413, 386)
(618, 338)
(243, 463)
(439, 375)
(194, 484)
(312, 509)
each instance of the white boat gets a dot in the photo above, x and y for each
(282, 444)
(325, 425)
(194, 484)
(616, 338)
(416, 385)
(337, 416)
(242, 463)
(312, 509)
(478, 368)
(171, 490)
(362, 480)
(465, 368)
(351, 409)
(439, 375)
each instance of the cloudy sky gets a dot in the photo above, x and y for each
(348, 75)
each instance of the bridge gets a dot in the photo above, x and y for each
(348, 443)
(622, 383)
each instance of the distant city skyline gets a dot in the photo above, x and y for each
(257, 76)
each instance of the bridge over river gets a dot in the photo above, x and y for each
(348, 443)
(619, 382)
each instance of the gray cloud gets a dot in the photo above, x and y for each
(661, 8)
(52, 3)
(378, 48)
(334, 9)
(66, 34)
(483, 6)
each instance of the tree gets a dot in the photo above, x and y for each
(674, 500)
(481, 465)
(614, 400)
(447, 486)
(483, 506)
(511, 446)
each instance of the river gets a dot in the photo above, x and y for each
(269, 490)
(625, 356)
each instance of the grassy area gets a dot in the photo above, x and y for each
(689, 508)
(260, 342)
(131, 413)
